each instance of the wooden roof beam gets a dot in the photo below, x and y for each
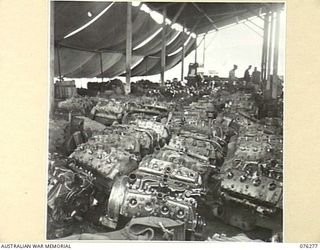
(256, 13)
(227, 13)
(205, 14)
(254, 24)
(177, 15)
(162, 6)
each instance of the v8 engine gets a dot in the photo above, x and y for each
(157, 188)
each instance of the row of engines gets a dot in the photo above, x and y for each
(157, 161)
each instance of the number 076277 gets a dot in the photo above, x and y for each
(308, 246)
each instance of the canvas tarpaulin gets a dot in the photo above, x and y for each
(92, 67)
(120, 67)
(113, 64)
(109, 31)
(173, 60)
(177, 43)
(104, 41)
(69, 16)
(101, 27)
(104, 32)
(152, 65)
(154, 45)
(142, 28)
(144, 66)
(70, 60)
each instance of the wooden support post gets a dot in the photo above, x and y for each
(204, 50)
(163, 46)
(269, 57)
(196, 50)
(101, 66)
(51, 86)
(264, 47)
(270, 47)
(127, 87)
(182, 63)
(146, 65)
(276, 56)
(182, 57)
(59, 63)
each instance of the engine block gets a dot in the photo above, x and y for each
(70, 193)
(82, 105)
(194, 146)
(109, 111)
(168, 154)
(144, 139)
(111, 106)
(125, 142)
(206, 152)
(260, 184)
(105, 160)
(160, 129)
(257, 143)
(251, 185)
(157, 188)
(158, 167)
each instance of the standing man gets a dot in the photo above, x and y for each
(232, 75)
(247, 77)
(256, 76)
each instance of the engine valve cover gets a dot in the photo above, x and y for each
(108, 162)
(194, 146)
(259, 183)
(159, 128)
(182, 159)
(158, 188)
